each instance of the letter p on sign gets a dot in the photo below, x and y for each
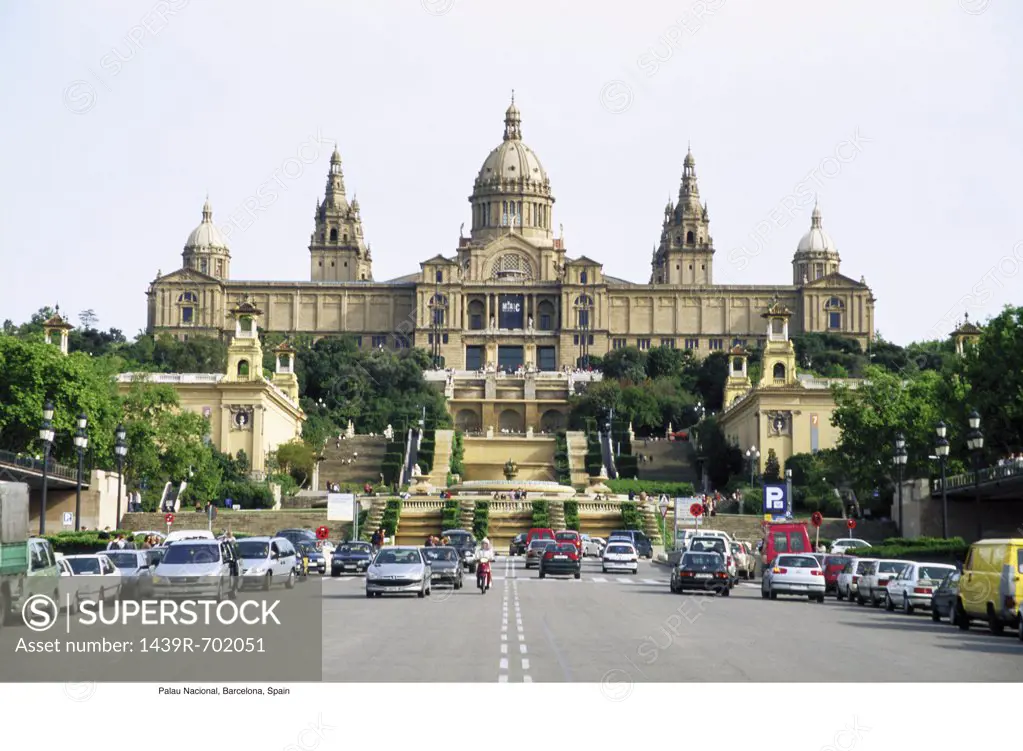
(774, 499)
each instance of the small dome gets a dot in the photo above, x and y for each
(816, 240)
(512, 160)
(206, 235)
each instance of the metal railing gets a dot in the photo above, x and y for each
(988, 474)
(36, 465)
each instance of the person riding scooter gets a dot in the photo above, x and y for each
(484, 555)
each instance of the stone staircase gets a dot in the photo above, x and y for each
(442, 459)
(576, 441)
(466, 514)
(556, 514)
(365, 468)
(650, 528)
(374, 518)
(672, 461)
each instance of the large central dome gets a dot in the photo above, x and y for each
(513, 166)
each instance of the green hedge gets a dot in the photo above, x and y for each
(391, 516)
(561, 466)
(391, 471)
(627, 466)
(934, 549)
(631, 518)
(541, 514)
(652, 487)
(450, 515)
(572, 515)
(481, 520)
(247, 494)
(457, 463)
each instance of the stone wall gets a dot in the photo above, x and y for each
(249, 522)
(923, 514)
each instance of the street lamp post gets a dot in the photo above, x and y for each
(900, 461)
(753, 457)
(46, 436)
(941, 449)
(120, 450)
(975, 442)
(81, 443)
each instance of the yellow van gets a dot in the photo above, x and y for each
(991, 586)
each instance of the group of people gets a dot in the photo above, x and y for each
(433, 541)
(515, 495)
(378, 539)
(1010, 460)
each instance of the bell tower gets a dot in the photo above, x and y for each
(245, 353)
(686, 251)
(338, 252)
(738, 382)
(284, 370)
(56, 330)
(779, 353)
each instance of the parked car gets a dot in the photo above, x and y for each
(593, 546)
(849, 579)
(798, 575)
(187, 534)
(266, 561)
(943, 601)
(135, 567)
(197, 568)
(640, 541)
(399, 569)
(833, 566)
(872, 585)
(518, 545)
(315, 561)
(914, 586)
(843, 544)
(718, 545)
(991, 586)
(568, 535)
(536, 550)
(445, 566)
(297, 535)
(351, 557)
(620, 556)
(747, 562)
(784, 537)
(87, 578)
(465, 544)
(701, 571)
(561, 558)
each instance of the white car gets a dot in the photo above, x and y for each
(848, 580)
(87, 578)
(915, 586)
(714, 533)
(593, 546)
(848, 543)
(798, 575)
(620, 556)
(719, 544)
(188, 534)
(873, 584)
(265, 561)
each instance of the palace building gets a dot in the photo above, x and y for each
(511, 294)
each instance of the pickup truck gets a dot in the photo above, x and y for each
(27, 564)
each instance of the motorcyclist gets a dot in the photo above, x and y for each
(484, 555)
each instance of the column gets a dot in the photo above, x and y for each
(486, 312)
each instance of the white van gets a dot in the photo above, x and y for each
(266, 561)
(188, 534)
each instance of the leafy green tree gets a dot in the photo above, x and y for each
(297, 459)
(772, 468)
(721, 459)
(626, 364)
(665, 362)
(710, 380)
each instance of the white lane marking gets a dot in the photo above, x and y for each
(526, 679)
(623, 580)
(522, 636)
(598, 580)
(504, 663)
(522, 648)
(504, 649)
(525, 663)
(651, 581)
(504, 637)
(502, 678)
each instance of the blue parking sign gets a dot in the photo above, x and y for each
(776, 502)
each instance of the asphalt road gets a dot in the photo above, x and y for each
(620, 629)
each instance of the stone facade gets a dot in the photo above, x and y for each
(509, 294)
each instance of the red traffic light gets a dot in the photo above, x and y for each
(696, 509)
(322, 533)
(817, 518)
(169, 518)
(851, 524)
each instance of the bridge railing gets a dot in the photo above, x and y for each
(36, 465)
(988, 474)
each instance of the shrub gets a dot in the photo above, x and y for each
(631, 518)
(954, 549)
(572, 515)
(652, 487)
(481, 520)
(541, 514)
(247, 494)
(628, 467)
(457, 464)
(391, 516)
(450, 515)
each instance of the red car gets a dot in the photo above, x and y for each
(568, 535)
(833, 565)
(539, 533)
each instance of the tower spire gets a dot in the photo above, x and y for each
(207, 210)
(512, 122)
(815, 218)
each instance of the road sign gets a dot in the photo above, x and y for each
(817, 518)
(169, 518)
(69, 519)
(322, 533)
(663, 506)
(776, 500)
(228, 502)
(696, 509)
(340, 507)
(851, 524)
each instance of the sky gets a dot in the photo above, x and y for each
(903, 118)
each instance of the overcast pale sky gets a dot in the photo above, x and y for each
(904, 116)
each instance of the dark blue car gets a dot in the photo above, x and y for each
(351, 558)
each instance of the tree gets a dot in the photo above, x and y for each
(626, 364)
(88, 319)
(772, 468)
(665, 362)
(297, 459)
(721, 459)
(710, 380)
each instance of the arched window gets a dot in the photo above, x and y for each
(243, 368)
(583, 305)
(345, 237)
(333, 235)
(188, 297)
(779, 371)
(690, 238)
(834, 308)
(737, 365)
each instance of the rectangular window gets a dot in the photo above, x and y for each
(379, 341)
(692, 343)
(591, 339)
(358, 342)
(545, 322)
(738, 342)
(474, 358)
(716, 344)
(476, 322)
(186, 315)
(643, 344)
(834, 320)
(575, 339)
(440, 276)
(438, 316)
(669, 343)
(429, 338)
(203, 265)
(444, 338)
(545, 359)
(584, 319)
(618, 344)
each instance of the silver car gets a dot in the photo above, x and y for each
(136, 571)
(400, 569)
(194, 568)
(445, 567)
